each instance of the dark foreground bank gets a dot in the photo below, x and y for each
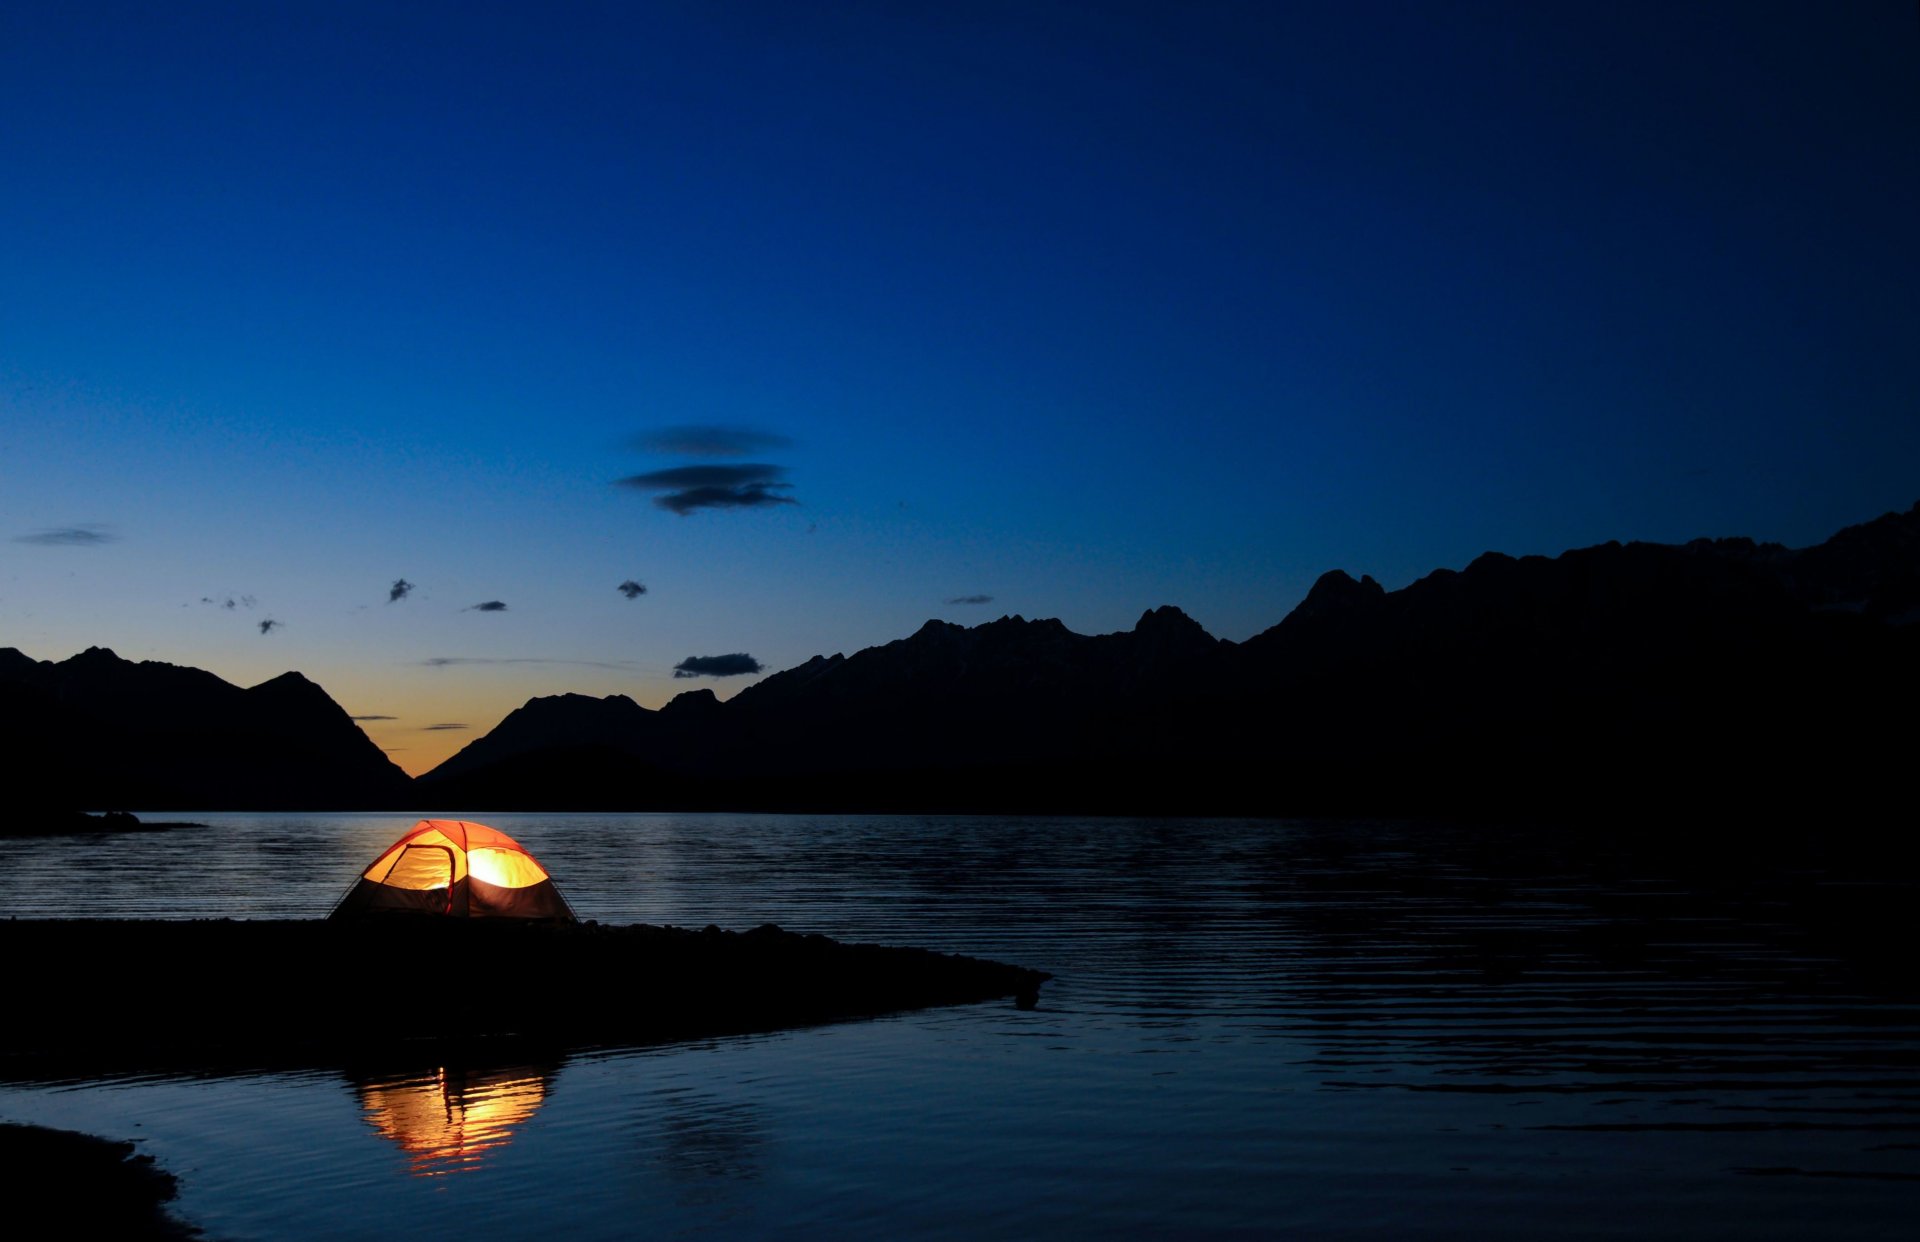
(100, 993)
(76, 1185)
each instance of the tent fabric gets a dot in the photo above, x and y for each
(459, 868)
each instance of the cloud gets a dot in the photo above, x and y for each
(705, 440)
(492, 605)
(270, 625)
(229, 602)
(444, 725)
(69, 537)
(686, 488)
(631, 589)
(452, 661)
(400, 589)
(717, 666)
(971, 599)
(373, 718)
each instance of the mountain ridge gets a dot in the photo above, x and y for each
(1614, 670)
(1699, 678)
(169, 736)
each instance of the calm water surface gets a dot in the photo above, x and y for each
(1257, 1029)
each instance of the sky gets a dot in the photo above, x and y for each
(821, 321)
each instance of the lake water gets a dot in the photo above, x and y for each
(1257, 1029)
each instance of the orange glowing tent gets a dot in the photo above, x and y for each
(457, 868)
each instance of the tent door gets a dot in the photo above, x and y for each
(425, 867)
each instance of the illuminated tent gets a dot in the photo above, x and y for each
(453, 867)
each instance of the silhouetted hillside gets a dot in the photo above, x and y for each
(1647, 681)
(99, 731)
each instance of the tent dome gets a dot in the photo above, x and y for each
(458, 868)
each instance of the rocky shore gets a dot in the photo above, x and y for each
(61, 823)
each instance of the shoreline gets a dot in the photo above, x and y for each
(92, 1186)
(92, 995)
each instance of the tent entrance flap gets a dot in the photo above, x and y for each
(422, 866)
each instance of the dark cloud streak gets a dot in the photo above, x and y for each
(750, 485)
(270, 625)
(971, 599)
(68, 537)
(400, 589)
(492, 605)
(373, 718)
(632, 589)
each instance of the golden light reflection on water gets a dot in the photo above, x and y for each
(447, 1121)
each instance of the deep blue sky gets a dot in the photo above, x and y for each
(1085, 308)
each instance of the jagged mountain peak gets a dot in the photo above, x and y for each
(1168, 619)
(1337, 591)
(694, 701)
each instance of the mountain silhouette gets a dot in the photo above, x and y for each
(102, 732)
(1640, 680)
(1634, 684)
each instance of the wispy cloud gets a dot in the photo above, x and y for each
(632, 589)
(454, 661)
(229, 602)
(971, 599)
(270, 625)
(373, 718)
(734, 665)
(492, 605)
(400, 589)
(687, 488)
(443, 726)
(69, 537)
(710, 440)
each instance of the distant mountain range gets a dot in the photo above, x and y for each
(1641, 682)
(100, 732)
(1637, 679)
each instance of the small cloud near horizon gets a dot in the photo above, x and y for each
(400, 589)
(270, 625)
(632, 589)
(736, 664)
(373, 718)
(492, 605)
(710, 440)
(87, 536)
(971, 599)
(443, 726)
(686, 488)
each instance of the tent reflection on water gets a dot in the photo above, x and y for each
(459, 868)
(448, 1119)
